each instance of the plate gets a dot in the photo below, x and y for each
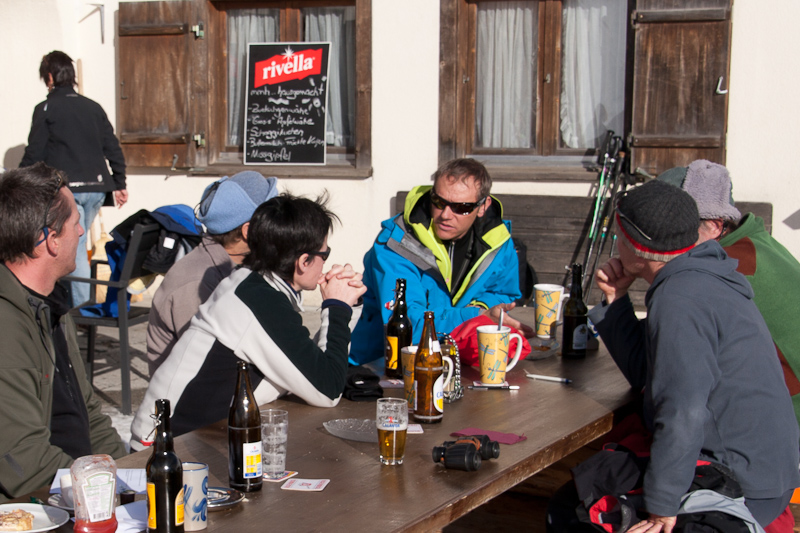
(362, 430)
(45, 517)
(542, 348)
(56, 500)
(223, 497)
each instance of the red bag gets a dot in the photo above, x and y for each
(466, 338)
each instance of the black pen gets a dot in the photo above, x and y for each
(487, 387)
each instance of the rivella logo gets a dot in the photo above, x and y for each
(290, 65)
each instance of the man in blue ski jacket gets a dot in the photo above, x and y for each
(455, 252)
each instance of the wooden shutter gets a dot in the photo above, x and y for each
(680, 81)
(156, 114)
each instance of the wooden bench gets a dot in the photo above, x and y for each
(554, 229)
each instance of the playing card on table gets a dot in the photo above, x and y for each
(306, 484)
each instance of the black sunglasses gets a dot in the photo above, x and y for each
(324, 255)
(620, 196)
(45, 228)
(459, 208)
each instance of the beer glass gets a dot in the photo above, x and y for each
(392, 423)
(408, 355)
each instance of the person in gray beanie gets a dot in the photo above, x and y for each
(703, 358)
(771, 269)
(225, 210)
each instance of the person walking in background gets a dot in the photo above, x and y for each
(72, 133)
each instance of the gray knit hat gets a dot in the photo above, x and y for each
(658, 220)
(230, 202)
(710, 186)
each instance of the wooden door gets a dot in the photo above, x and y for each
(156, 113)
(680, 81)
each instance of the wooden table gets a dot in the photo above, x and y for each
(419, 495)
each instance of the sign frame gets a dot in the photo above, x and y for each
(286, 103)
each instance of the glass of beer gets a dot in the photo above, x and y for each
(392, 422)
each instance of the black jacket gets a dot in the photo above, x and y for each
(72, 133)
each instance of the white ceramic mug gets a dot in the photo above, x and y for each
(195, 496)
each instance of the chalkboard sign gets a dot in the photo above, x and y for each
(287, 88)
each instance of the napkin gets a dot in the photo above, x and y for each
(132, 517)
(362, 385)
(466, 338)
(502, 438)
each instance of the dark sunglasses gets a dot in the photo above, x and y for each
(324, 255)
(208, 197)
(627, 219)
(45, 228)
(459, 208)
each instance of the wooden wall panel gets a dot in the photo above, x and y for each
(154, 118)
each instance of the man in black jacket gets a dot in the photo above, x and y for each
(72, 133)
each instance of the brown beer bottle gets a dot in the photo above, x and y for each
(164, 478)
(428, 378)
(575, 330)
(244, 435)
(398, 332)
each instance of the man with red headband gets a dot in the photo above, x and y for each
(704, 359)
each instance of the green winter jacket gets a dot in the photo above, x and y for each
(27, 362)
(774, 274)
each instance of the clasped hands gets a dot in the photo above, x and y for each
(342, 283)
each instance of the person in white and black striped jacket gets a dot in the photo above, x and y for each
(254, 315)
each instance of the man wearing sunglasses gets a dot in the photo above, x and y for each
(225, 210)
(50, 415)
(254, 316)
(454, 251)
(703, 357)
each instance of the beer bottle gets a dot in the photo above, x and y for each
(398, 332)
(164, 478)
(575, 331)
(428, 378)
(244, 435)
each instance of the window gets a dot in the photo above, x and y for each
(534, 78)
(182, 102)
(530, 87)
(260, 25)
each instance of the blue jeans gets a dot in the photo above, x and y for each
(89, 204)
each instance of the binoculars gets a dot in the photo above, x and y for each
(466, 453)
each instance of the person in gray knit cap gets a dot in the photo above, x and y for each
(772, 271)
(225, 210)
(703, 357)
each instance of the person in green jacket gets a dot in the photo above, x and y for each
(772, 271)
(50, 414)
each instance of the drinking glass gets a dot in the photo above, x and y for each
(392, 423)
(274, 434)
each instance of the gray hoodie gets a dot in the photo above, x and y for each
(712, 381)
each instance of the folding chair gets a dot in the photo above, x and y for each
(142, 239)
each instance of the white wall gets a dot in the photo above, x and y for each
(762, 113)
(764, 110)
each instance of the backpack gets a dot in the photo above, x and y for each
(527, 275)
(609, 485)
